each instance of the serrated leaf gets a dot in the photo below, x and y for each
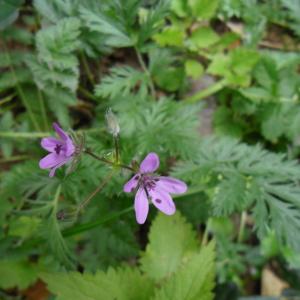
(121, 82)
(235, 67)
(120, 284)
(170, 36)
(193, 68)
(203, 37)
(18, 274)
(171, 240)
(56, 44)
(194, 281)
(203, 9)
(115, 32)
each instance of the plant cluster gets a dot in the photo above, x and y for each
(130, 83)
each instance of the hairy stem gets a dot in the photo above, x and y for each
(117, 149)
(242, 227)
(84, 203)
(87, 151)
(210, 90)
(43, 109)
(20, 91)
(87, 69)
(145, 69)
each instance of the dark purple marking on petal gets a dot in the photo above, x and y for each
(158, 201)
(137, 177)
(58, 148)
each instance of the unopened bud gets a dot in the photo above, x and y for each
(112, 123)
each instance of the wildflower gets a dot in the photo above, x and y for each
(154, 188)
(61, 150)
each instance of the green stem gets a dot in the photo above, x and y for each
(14, 158)
(20, 91)
(115, 164)
(87, 94)
(212, 89)
(84, 203)
(43, 109)
(242, 227)
(117, 149)
(7, 99)
(145, 69)
(87, 69)
(88, 226)
(205, 235)
(34, 135)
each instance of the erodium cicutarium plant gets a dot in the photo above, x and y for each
(149, 187)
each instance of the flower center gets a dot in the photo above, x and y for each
(57, 148)
(149, 182)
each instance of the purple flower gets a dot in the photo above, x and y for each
(154, 188)
(61, 150)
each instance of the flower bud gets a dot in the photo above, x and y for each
(112, 123)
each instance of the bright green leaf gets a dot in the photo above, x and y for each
(203, 9)
(121, 284)
(193, 68)
(203, 37)
(194, 281)
(171, 240)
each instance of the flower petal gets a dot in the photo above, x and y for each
(63, 135)
(131, 184)
(150, 163)
(50, 143)
(52, 171)
(171, 185)
(51, 160)
(70, 148)
(141, 206)
(163, 201)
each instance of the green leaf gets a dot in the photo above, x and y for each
(120, 284)
(171, 240)
(203, 37)
(18, 274)
(24, 226)
(170, 36)
(153, 21)
(115, 32)
(121, 82)
(56, 44)
(194, 280)
(180, 7)
(203, 9)
(235, 67)
(193, 68)
(263, 182)
(56, 10)
(9, 12)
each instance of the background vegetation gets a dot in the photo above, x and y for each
(212, 86)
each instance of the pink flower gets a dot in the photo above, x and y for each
(154, 188)
(61, 150)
